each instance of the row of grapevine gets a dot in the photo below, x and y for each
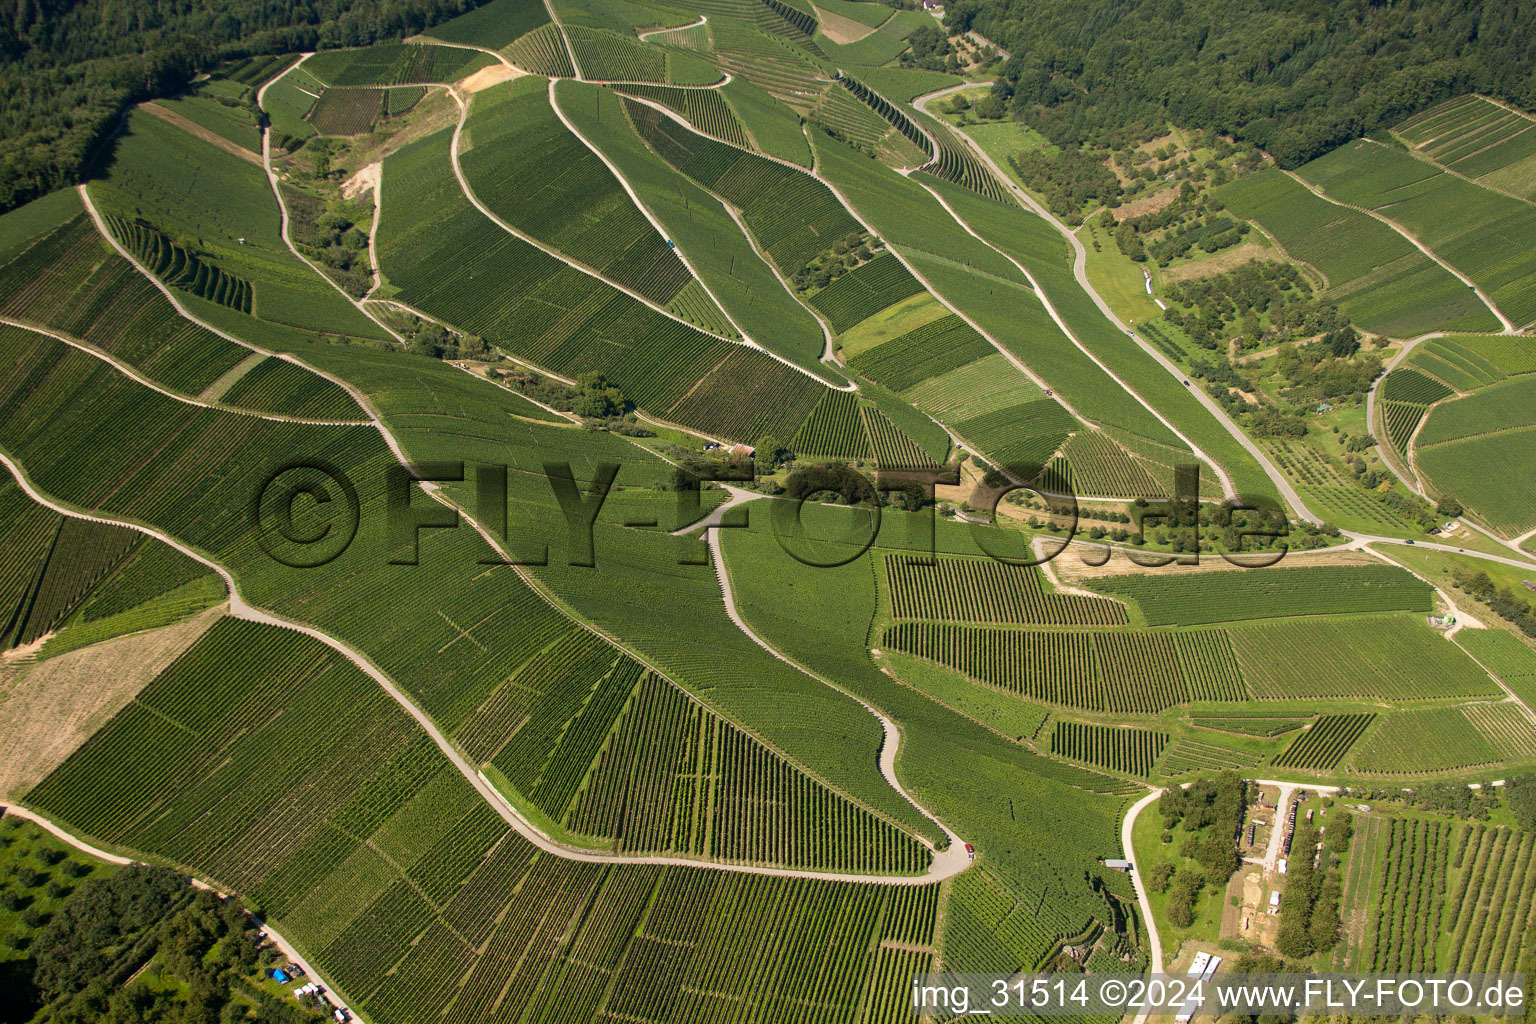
(738, 399)
(52, 565)
(1125, 673)
(395, 64)
(1119, 749)
(893, 447)
(923, 353)
(1094, 464)
(834, 428)
(542, 51)
(178, 267)
(606, 57)
(277, 385)
(865, 291)
(71, 282)
(1411, 896)
(954, 162)
(1489, 914)
(1184, 756)
(1247, 723)
(1194, 598)
(534, 173)
(1411, 386)
(793, 216)
(1402, 419)
(346, 111)
(888, 110)
(1325, 744)
(973, 590)
(705, 109)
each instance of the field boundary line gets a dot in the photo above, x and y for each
(661, 231)
(1079, 270)
(1317, 190)
(138, 378)
(241, 609)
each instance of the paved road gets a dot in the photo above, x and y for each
(1154, 941)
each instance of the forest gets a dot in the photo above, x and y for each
(1296, 79)
(69, 68)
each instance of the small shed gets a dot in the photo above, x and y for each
(1117, 864)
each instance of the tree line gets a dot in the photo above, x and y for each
(69, 68)
(1296, 79)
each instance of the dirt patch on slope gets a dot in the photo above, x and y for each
(1072, 567)
(58, 703)
(1147, 204)
(487, 77)
(840, 29)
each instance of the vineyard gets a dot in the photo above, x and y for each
(1093, 463)
(496, 24)
(1506, 727)
(542, 52)
(834, 428)
(705, 109)
(973, 590)
(1124, 673)
(1505, 656)
(396, 64)
(528, 168)
(1501, 407)
(865, 291)
(454, 263)
(893, 447)
(347, 111)
(52, 565)
(178, 267)
(892, 114)
(71, 282)
(1321, 747)
(1474, 229)
(1411, 386)
(277, 385)
(1186, 756)
(1486, 472)
(606, 57)
(1247, 723)
(365, 847)
(1270, 593)
(1478, 138)
(792, 215)
(1422, 740)
(1402, 419)
(1129, 751)
(1382, 658)
(923, 353)
(954, 162)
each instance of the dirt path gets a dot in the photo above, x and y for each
(191, 127)
(1221, 473)
(661, 231)
(139, 378)
(240, 608)
(643, 36)
(61, 701)
(1079, 270)
(1509, 328)
(946, 863)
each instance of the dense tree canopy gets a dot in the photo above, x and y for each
(69, 67)
(1296, 77)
